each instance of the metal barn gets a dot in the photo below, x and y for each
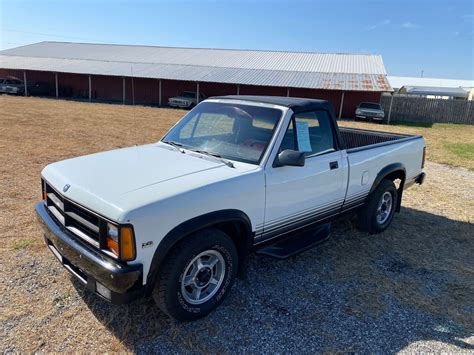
(150, 75)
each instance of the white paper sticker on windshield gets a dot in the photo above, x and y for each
(302, 131)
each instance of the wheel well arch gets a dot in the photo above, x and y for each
(395, 171)
(234, 223)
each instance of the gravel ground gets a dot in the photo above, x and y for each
(409, 289)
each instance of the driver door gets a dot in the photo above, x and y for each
(300, 196)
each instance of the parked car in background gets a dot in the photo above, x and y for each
(12, 86)
(187, 99)
(370, 111)
(237, 174)
(40, 88)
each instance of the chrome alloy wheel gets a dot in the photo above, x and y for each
(384, 208)
(203, 277)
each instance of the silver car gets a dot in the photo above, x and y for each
(370, 111)
(187, 99)
(12, 86)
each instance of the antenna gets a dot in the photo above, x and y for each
(133, 104)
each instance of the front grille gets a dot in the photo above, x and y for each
(78, 220)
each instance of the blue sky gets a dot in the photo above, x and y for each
(434, 36)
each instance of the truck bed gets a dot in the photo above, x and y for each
(354, 139)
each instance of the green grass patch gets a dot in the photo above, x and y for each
(22, 244)
(462, 150)
(412, 124)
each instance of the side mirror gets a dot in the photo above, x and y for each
(289, 157)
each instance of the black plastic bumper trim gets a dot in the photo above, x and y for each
(418, 179)
(89, 265)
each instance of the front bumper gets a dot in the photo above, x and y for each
(116, 282)
(370, 117)
(179, 104)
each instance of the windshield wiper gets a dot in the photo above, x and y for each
(214, 155)
(178, 146)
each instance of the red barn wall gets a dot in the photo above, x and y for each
(217, 89)
(106, 87)
(262, 90)
(146, 90)
(11, 73)
(76, 85)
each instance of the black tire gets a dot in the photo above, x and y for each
(368, 214)
(168, 293)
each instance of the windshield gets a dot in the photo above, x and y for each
(370, 105)
(231, 131)
(188, 94)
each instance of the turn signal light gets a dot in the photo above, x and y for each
(120, 241)
(127, 244)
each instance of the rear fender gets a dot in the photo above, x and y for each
(392, 172)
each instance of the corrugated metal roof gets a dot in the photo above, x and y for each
(434, 91)
(400, 81)
(268, 68)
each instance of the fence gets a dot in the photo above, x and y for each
(426, 110)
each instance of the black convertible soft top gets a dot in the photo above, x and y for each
(297, 104)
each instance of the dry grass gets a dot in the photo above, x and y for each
(445, 143)
(431, 242)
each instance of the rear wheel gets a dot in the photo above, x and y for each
(378, 211)
(197, 275)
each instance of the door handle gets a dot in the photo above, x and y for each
(333, 165)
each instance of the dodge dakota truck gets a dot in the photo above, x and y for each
(175, 220)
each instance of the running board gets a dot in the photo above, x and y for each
(297, 242)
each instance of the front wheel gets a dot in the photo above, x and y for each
(197, 275)
(377, 213)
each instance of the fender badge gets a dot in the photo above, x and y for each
(147, 244)
(66, 187)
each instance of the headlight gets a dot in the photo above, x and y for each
(120, 241)
(112, 240)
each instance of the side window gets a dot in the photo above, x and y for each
(289, 139)
(312, 134)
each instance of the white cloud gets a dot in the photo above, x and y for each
(409, 25)
(378, 24)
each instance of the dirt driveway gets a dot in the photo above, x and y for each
(408, 289)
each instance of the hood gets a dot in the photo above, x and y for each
(106, 182)
(370, 110)
(183, 98)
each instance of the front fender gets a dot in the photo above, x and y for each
(191, 226)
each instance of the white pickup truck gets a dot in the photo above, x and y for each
(176, 219)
